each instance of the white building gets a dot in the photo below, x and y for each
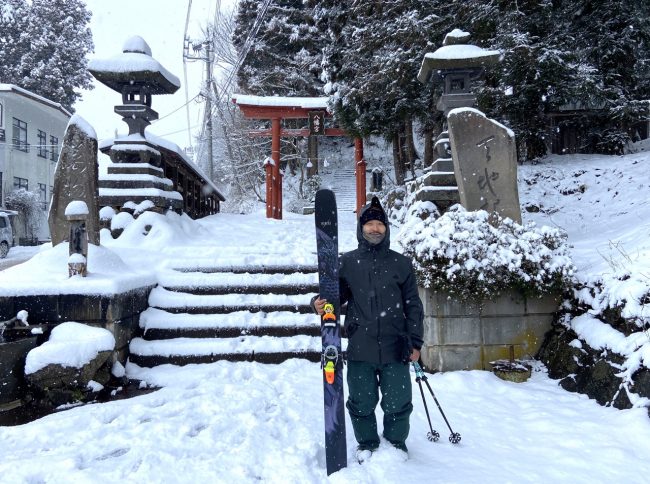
(31, 133)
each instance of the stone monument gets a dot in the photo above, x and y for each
(75, 178)
(485, 163)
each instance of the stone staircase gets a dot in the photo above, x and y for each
(236, 313)
(343, 183)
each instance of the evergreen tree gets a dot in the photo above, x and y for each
(613, 38)
(43, 47)
(538, 72)
(371, 66)
(284, 56)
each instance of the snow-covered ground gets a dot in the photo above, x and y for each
(247, 422)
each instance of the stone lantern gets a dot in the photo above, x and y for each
(457, 65)
(137, 174)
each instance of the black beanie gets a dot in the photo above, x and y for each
(373, 212)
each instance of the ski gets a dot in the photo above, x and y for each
(331, 358)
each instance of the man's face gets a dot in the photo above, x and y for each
(374, 231)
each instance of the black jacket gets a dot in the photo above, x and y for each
(384, 314)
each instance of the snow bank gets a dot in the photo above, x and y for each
(72, 345)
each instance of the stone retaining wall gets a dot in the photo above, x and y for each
(467, 336)
(119, 313)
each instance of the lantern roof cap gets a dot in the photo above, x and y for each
(456, 54)
(134, 66)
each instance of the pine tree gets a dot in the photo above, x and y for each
(44, 47)
(613, 38)
(371, 65)
(284, 56)
(538, 72)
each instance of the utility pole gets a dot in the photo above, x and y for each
(208, 105)
(197, 49)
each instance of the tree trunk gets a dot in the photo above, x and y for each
(411, 152)
(428, 148)
(312, 149)
(398, 159)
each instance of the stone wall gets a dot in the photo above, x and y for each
(465, 335)
(119, 313)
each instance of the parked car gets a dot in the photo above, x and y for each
(6, 233)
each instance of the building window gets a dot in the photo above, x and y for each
(42, 195)
(20, 183)
(2, 116)
(42, 142)
(54, 154)
(2, 200)
(19, 138)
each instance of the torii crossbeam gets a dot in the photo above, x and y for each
(278, 108)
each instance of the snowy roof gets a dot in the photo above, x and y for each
(35, 97)
(277, 101)
(134, 65)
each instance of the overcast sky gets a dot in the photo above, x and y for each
(161, 23)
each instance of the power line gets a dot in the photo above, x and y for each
(187, 102)
(177, 109)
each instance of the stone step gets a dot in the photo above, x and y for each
(439, 179)
(134, 169)
(262, 349)
(209, 290)
(210, 266)
(159, 324)
(238, 283)
(177, 302)
(434, 194)
(135, 182)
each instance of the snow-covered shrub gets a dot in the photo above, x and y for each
(475, 255)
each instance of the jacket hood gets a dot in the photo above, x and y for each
(363, 243)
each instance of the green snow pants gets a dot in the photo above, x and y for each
(364, 382)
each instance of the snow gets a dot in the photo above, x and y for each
(298, 102)
(128, 62)
(83, 125)
(139, 192)
(70, 344)
(47, 273)
(459, 111)
(246, 422)
(76, 207)
(462, 51)
(136, 44)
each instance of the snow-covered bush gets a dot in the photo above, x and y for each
(475, 255)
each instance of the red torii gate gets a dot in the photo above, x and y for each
(278, 108)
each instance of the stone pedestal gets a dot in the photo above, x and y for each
(467, 336)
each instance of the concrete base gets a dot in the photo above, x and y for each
(467, 336)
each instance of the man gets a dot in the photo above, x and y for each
(383, 323)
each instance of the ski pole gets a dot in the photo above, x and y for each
(454, 437)
(433, 436)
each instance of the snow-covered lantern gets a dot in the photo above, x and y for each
(457, 65)
(137, 76)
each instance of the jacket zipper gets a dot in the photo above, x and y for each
(376, 300)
